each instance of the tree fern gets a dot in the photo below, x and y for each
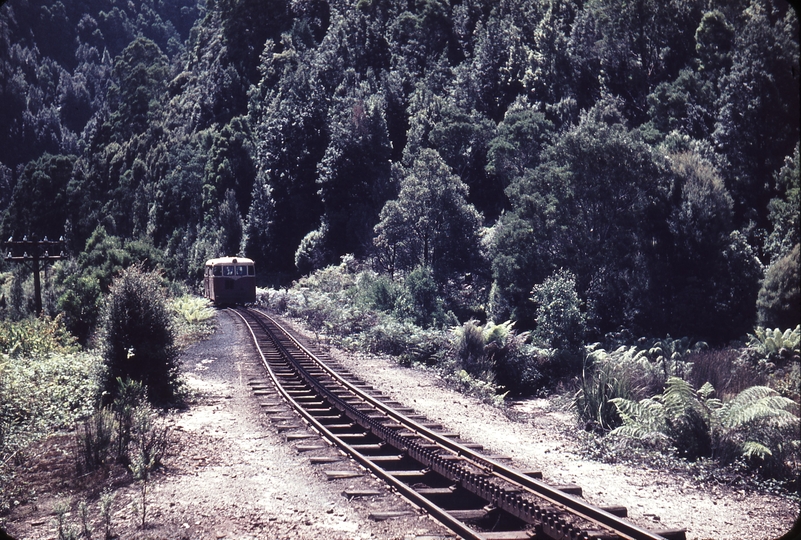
(758, 424)
(679, 398)
(644, 419)
(757, 403)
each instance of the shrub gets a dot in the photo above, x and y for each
(762, 427)
(38, 395)
(422, 301)
(79, 303)
(94, 440)
(495, 353)
(380, 293)
(138, 338)
(193, 318)
(35, 337)
(628, 372)
(403, 339)
(757, 425)
(471, 349)
(130, 395)
(524, 368)
(480, 388)
(193, 309)
(129, 427)
(774, 345)
(780, 294)
(560, 322)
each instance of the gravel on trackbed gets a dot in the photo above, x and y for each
(231, 474)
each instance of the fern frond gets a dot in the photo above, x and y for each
(497, 332)
(713, 404)
(637, 431)
(706, 390)
(757, 403)
(752, 448)
(640, 417)
(679, 397)
(792, 338)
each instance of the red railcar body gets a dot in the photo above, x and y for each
(230, 280)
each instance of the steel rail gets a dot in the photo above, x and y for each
(438, 513)
(586, 511)
(499, 497)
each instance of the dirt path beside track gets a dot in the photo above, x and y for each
(230, 474)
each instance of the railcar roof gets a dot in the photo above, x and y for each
(229, 260)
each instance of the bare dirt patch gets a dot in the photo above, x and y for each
(231, 473)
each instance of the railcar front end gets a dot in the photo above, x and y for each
(230, 281)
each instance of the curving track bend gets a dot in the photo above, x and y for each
(474, 495)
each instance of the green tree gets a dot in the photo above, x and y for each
(627, 47)
(424, 302)
(288, 110)
(518, 144)
(139, 83)
(421, 33)
(759, 115)
(783, 209)
(490, 81)
(354, 173)
(780, 294)
(38, 204)
(138, 338)
(595, 206)
(713, 275)
(560, 321)
(86, 280)
(259, 224)
(229, 167)
(430, 224)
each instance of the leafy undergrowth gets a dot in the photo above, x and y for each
(705, 471)
(193, 319)
(621, 381)
(49, 386)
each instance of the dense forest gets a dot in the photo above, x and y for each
(646, 150)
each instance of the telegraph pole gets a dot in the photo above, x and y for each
(34, 251)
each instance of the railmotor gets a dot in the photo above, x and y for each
(230, 280)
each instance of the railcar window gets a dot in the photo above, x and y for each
(218, 270)
(251, 271)
(228, 270)
(241, 270)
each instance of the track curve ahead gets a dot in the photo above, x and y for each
(474, 495)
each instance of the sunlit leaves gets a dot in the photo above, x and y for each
(430, 224)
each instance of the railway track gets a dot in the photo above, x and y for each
(475, 495)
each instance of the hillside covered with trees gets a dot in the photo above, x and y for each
(647, 152)
(593, 198)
